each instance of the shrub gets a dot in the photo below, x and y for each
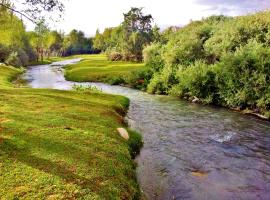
(23, 58)
(115, 80)
(196, 80)
(135, 143)
(86, 89)
(162, 82)
(4, 52)
(13, 59)
(138, 79)
(114, 55)
(152, 55)
(244, 76)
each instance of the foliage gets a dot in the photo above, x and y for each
(220, 60)
(135, 143)
(76, 43)
(14, 44)
(152, 57)
(86, 88)
(34, 10)
(197, 80)
(127, 41)
(244, 76)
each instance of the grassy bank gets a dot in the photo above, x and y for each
(46, 61)
(97, 68)
(62, 144)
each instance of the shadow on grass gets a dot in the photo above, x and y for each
(22, 154)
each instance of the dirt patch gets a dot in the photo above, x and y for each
(199, 174)
(1, 140)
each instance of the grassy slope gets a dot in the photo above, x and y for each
(97, 68)
(62, 144)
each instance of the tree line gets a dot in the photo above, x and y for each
(19, 47)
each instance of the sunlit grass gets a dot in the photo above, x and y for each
(97, 68)
(62, 144)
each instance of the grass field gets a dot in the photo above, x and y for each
(97, 68)
(62, 144)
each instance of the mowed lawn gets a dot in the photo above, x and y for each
(62, 144)
(97, 68)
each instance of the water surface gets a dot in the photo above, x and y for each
(190, 151)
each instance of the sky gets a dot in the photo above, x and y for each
(90, 15)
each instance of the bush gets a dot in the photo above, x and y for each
(244, 76)
(86, 89)
(135, 143)
(115, 80)
(162, 82)
(139, 79)
(13, 59)
(114, 56)
(153, 57)
(23, 58)
(4, 52)
(196, 80)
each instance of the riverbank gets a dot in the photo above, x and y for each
(63, 144)
(96, 68)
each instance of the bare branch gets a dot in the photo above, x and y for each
(19, 12)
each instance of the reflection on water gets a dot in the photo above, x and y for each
(190, 151)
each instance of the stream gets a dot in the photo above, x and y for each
(190, 151)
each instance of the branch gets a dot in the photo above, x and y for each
(19, 12)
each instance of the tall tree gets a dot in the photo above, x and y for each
(137, 32)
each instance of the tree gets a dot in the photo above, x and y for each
(135, 21)
(76, 43)
(137, 29)
(34, 10)
(38, 40)
(54, 43)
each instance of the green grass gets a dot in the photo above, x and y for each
(97, 68)
(63, 144)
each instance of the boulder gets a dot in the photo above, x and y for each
(123, 133)
(196, 100)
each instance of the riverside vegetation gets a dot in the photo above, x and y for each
(219, 60)
(66, 141)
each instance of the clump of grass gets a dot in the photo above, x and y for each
(135, 143)
(86, 88)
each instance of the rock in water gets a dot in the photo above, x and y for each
(123, 133)
(196, 100)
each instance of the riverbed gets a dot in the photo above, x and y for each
(190, 151)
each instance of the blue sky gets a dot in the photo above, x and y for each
(88, 15)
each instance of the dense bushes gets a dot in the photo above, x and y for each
(220, 60)
(244, 77)
(197, 80)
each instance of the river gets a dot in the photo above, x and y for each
(190, 151)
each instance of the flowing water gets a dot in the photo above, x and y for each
(190, 151)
